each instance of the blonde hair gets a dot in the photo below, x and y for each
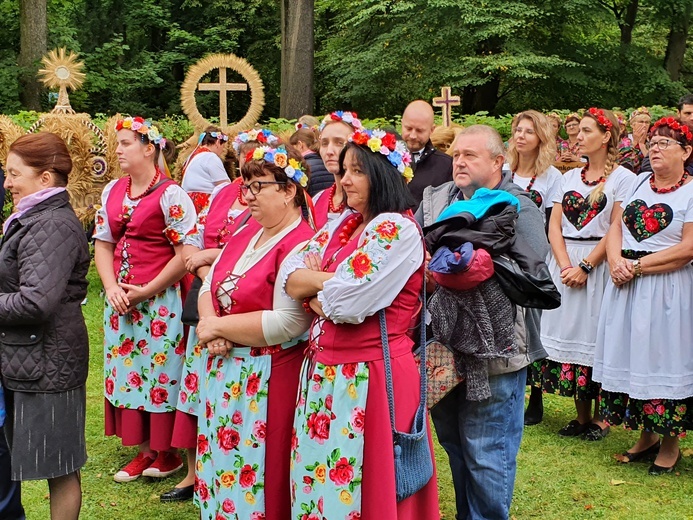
(611, 151)
(442, 137)
(547, 142)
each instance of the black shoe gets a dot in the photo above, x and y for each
(573, 429)
(595, 433)
(627, 457)
(178, 494)
(534, 413)
(661, 470)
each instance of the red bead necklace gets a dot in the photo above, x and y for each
(670, 188)
(531, 182)
(583, 176)
(331, 208)
(149, 188)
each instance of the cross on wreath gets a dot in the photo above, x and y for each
(446, 102)
(222, 87)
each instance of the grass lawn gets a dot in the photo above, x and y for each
(557, 478)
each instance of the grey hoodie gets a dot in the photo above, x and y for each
(530, 225)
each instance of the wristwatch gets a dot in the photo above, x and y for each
(586, 266)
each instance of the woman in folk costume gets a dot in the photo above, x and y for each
(334, 130)
(226, 212)
(644, 356)
(589, 200)
(203, 170)
(139, 228)
(253, 335)
(368, 259)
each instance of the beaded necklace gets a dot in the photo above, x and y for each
(531, 182)
(330, 207)
(583, 176)
(145, 192)
(670, 188)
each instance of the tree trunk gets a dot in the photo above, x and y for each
(676, 43)
(297, 58)
(483, 98)
(628, 22)
(33, 38)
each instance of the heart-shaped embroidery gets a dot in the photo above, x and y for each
(536, 198)
(644, 221)
(579, 211)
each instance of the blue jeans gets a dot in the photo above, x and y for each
(482, 440)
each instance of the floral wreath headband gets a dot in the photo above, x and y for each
(674, 125)
(261, 135)
(602, 120)
(279, 157)
(220, 136)
(340, 116)
(642, 111)
(385, 143)
(144, 128)
(300, 126)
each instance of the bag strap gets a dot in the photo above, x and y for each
(388, 365)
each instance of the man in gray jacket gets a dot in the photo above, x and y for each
(482, 438)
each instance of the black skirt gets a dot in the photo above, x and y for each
(45, 433)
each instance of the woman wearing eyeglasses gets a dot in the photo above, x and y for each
(644, 355)
(204, 170)
(253, 333)
(570, 151)
(226, 212)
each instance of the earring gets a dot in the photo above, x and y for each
(286, 203)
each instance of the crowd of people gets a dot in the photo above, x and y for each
(267, 323)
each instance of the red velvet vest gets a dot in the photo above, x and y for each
(322, 207)
(255, 288)
(348, 343)
(139, 236)
(219, 227)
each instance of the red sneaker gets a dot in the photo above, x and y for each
(166, 463)
(134, 468)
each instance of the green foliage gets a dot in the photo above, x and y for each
(372, 56)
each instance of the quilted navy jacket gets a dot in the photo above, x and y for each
(44, 259)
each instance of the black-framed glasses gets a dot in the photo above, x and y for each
(662, 144)
(256, 186)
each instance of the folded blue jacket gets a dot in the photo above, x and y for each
(480, 204)
(446, 261)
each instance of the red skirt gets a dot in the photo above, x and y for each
(135, 427)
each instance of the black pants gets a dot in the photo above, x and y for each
(10, 496)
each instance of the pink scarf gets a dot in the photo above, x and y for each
(28, 202)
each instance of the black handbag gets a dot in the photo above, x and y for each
(190, 316)
(413, 460)
(526, 285)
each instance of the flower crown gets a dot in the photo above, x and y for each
(217, 135)
(642, 111)
(261, 135)
(143, 127)
(602, 120)
(674, 125)
(349, 118)
(300, 126)
(385, 143)
(279, 157)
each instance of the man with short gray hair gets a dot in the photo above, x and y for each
(482, 438)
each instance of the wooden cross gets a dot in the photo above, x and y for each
(222, 87)
(446, 102)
